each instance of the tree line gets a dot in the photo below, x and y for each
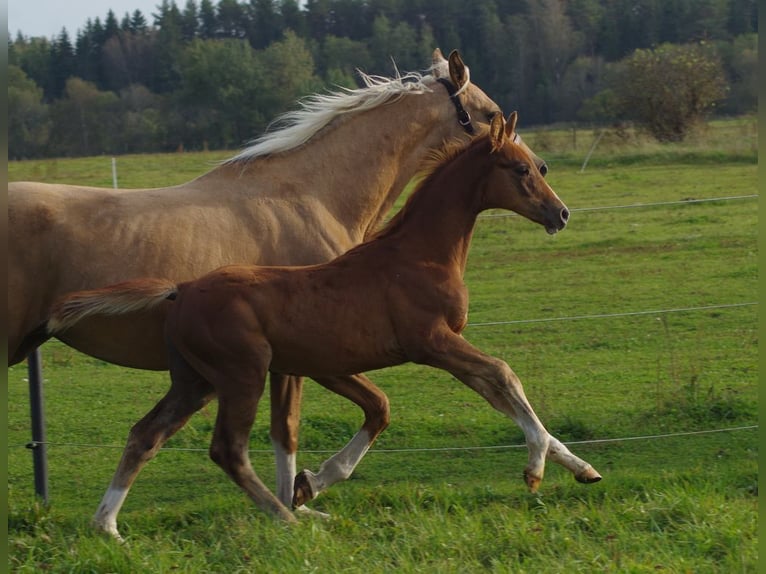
(213, 74)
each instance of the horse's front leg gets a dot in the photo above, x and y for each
(494, 380)
(374, 403)
(286, 393)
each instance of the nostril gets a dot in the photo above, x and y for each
(564, 215)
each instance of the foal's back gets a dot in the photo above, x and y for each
(330, 319)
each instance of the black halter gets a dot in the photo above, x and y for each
(463, 117)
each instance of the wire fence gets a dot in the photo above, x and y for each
(34, 444)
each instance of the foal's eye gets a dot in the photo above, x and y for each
(522, 169)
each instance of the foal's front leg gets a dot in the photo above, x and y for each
(494, 380)
(363, 392)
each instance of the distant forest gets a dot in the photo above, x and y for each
(204, 74)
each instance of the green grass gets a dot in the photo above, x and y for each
(683, 503)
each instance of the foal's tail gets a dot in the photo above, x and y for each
(118, 299)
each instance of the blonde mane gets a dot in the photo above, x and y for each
(317, 111)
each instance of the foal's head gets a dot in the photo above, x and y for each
(516, 181)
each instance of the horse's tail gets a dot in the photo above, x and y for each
(119, 299)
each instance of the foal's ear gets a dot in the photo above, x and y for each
(497, 131)
(510, 127)
(458, 71)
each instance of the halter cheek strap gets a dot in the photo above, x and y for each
(463, 117)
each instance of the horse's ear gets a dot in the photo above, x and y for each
(510, 126)
(497, 131)
(439, 65)
(458, 71)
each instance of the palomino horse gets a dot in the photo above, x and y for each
(302, 194)
(399, 297)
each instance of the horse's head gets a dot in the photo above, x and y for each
(472, 105)
(516, 181)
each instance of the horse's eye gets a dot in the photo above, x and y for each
(544, 169)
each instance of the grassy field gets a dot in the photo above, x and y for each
(654, 364)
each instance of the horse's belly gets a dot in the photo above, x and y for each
(134, 340)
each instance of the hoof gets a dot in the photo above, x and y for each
(588, 476)
(108, 530)
(302, 511)
(533, 482)
(303, 489)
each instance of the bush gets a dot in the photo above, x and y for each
(669, 89)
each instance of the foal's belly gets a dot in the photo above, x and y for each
(331, 353)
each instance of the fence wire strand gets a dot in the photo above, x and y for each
(636, 205)
(421, 449)
(613, 315)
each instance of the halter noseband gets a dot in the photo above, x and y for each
(463, 117)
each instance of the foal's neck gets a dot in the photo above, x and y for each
(437, 223)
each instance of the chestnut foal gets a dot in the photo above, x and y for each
(399, 297)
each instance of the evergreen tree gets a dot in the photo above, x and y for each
(190, 21)
(138, 23)
(208, 20)
(318, 18)
(111, 27)
(293, 18)
(265, 23)
(125, 23)
(87, 54)
(169, 46)
(62, 62)
(232, 19)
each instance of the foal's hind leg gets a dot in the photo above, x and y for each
(286, 394)
(494, 380)
(238, 396)
(374, 403)
(188, 393)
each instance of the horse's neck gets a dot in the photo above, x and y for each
(359, 167)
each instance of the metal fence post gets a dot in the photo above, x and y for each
(38, 446)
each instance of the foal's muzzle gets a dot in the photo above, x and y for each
(561, 224)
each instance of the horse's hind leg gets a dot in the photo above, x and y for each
(374, 403)
(239, 390)
(188, 393)
(285, 395)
